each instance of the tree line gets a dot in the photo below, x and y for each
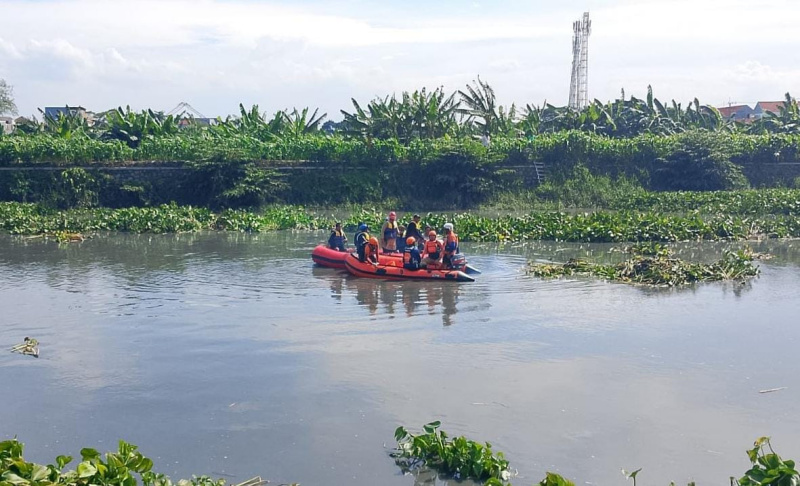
(472, 112)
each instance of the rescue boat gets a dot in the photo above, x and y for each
(324, 256)
(391, 268)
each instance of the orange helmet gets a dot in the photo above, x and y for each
(431, 234)
(410, 241)
(373, 241)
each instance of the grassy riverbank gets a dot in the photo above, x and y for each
(235, 171)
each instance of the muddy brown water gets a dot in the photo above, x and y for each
(231, 355)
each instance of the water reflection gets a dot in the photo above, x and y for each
(392, 299)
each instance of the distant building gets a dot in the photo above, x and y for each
(186, 121)
(56, 111)
(738, 113)
(6, 124)
(764, 107)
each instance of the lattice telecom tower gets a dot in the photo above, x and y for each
(579, 84)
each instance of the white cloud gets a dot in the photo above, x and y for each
(216, 53)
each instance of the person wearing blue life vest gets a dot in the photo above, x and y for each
(389, 234)
(401, 239)
(337, 239)
(411, 255)
(361, 240)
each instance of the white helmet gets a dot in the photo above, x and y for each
(448, 226)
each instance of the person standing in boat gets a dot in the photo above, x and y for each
(412, 230)
(361, 241)
(337, 240)
(433, 251)
(389, 234)
(450, 245)
(401, 239)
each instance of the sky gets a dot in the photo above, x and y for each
(215, 54)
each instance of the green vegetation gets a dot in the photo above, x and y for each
(462, 458)
(424, 149)
(458, 457)
(768, 467)
(598, 226)
(126, 467)
(7, 104)
(654, 264)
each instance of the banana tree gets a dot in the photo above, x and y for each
(132, 127)
(299, 123)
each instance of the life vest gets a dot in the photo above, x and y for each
(451, 243)
(390, 231)
(433, 248)
(337, 239)
(411, 258)
(412, 230)
(362, 238)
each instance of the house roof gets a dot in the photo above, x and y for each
(773, 106)
(727, 111)
(6, 119)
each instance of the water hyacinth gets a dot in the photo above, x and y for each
(596, 227)
(654, 265)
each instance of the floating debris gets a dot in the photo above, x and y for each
(771, 390)
(29, 346)
(256, 481)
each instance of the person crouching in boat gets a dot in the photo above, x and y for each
(337, 239)
(389, 233)
(371, 253)
(450, 245)
(361, 241)
(433, 251)
(412, 259)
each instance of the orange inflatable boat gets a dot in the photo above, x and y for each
(328, 257)
(324, 256)
(391, 268)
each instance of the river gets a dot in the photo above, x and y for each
(231, 355)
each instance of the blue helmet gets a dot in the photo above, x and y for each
(362, 227)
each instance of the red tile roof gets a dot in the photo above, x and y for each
(773, 106)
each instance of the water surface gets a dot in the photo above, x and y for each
(231, 355)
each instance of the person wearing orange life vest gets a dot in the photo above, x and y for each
(389, 233)
(450, 245)
(371, 251)
(434, 250)
(412, 259)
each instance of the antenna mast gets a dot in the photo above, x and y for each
(579, 82)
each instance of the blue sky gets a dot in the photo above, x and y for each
(281, 54)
